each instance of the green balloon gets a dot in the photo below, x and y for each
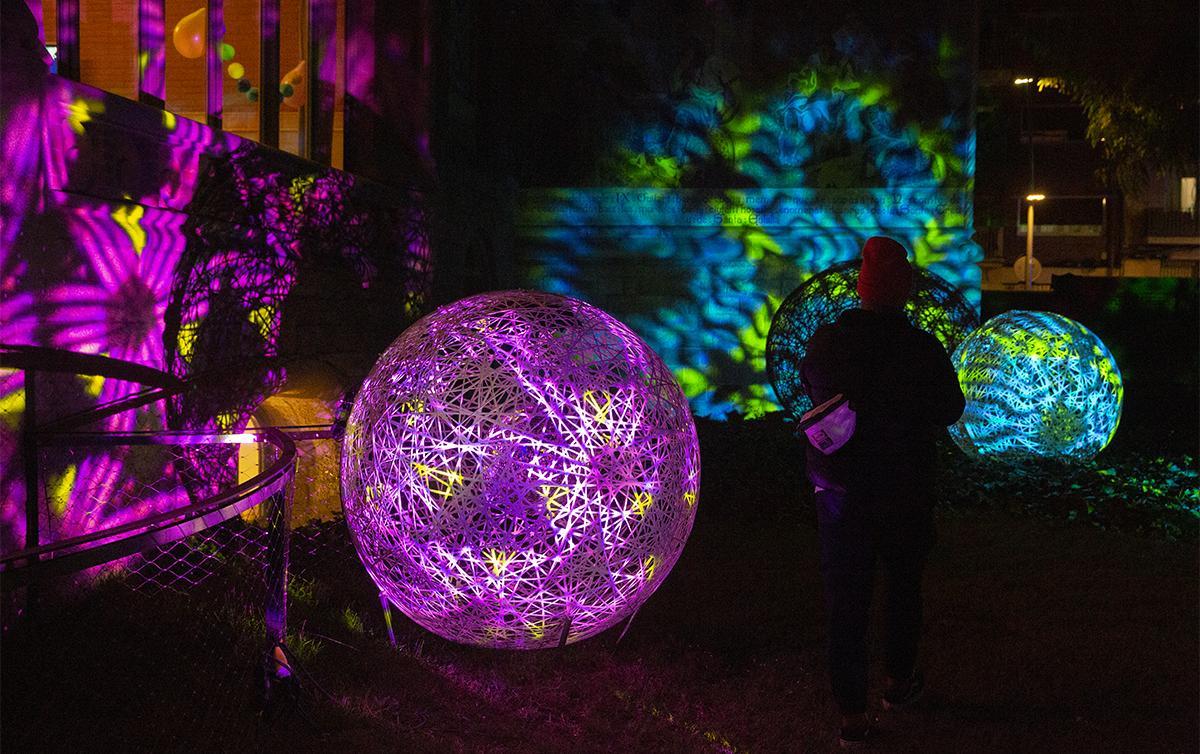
(287, 90)
(227, 52)
(252, 95)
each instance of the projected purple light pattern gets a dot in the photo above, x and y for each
(152, 84)
(519, 469)
(116, 221)
(131, 254)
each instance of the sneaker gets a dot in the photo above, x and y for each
(856, 737)
(905, 694)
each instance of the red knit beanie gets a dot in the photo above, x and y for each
(886, 276)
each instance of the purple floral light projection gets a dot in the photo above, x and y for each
(133, 233)
(92, 276)
(118, 305)
(520, 470)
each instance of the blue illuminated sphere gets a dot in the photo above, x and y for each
(1037, 384)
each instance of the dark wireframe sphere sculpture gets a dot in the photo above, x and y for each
(519, 470)
(935, 306)
(1037, 384)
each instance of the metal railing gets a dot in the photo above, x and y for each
(1169, 223)
(153, 484)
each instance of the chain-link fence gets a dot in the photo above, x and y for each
(320, 544)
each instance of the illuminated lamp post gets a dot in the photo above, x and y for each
(1033, 196)
(1031, 199)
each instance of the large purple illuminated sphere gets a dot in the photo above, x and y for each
(519, 470)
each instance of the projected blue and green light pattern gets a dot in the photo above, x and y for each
(810, 169)
(1037, 384)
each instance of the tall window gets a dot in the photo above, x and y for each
(109, 33)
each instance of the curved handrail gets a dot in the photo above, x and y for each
(96, 413)
(94, 548)
(43, 359)
(70, 555)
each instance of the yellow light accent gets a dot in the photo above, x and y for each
(12, 407)
(169, 121)
(414, 406)
(441, 482)
(689, 497)
(498, 560)
(1023, 80)
(641, 501)
(263, 318)
(60, 490)
(80, 112)
(1034, 197)
(300, 186)
(92, 384)
(649, 565)
(536, 630)
(482, 325)
(495, 633)
(600, 413)
(129, 218)
(226, 419)
(186, 340)
(553, 496)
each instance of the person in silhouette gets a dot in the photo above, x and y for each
(874, 494)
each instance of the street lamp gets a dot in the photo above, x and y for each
(1031, 199)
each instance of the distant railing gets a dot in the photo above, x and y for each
(1170, 223)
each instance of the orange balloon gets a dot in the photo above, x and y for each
(190, 33)
(295, 77)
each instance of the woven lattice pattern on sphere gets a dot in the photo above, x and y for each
(935, 306)
(1037, 384)
(518, 468)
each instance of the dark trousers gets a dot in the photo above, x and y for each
(854, 536)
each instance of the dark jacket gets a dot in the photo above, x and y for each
(905, 391)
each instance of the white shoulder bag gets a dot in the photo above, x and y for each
(830, 425)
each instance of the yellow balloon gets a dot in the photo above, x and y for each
(295, 77)
(190, 33)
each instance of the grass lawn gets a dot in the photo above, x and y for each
(1043, 634)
